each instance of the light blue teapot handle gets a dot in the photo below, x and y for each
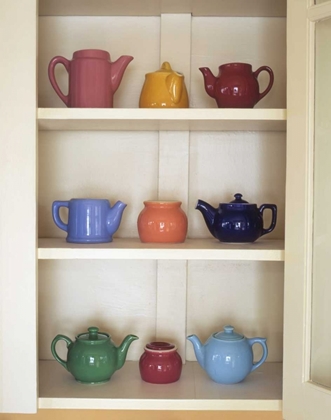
(263, 343)
(56, 214)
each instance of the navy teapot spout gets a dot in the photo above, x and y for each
(237, 221)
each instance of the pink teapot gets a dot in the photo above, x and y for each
(236, 85)
(93, 78)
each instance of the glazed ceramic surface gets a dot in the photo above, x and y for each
(164, 88)
(93, 357)
(227, 357)
(237, 221)
(93, 78)
(236, 85)
(160, 363)
(89, 220)
(162, 221)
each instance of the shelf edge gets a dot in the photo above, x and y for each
(145, 404)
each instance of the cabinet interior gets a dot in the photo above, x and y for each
(162, 299)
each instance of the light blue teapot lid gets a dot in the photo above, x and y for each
(228, 334)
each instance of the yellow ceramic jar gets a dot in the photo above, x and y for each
(164, 88)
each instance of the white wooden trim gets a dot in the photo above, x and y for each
(319, 12)
(310, 200)
(191, 249)
(18, 265)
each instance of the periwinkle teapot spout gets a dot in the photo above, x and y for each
(93, 357)
(227, 357)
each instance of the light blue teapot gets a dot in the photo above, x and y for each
(227, 357)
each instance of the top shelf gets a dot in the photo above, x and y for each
(235, 8)
(140, 119)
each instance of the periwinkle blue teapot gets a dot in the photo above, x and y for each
(90, 221)
(227, 357)
(237, 221)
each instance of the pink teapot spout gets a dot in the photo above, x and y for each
(210, 80)
(117, 69)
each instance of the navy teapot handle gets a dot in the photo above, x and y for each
(273, 209)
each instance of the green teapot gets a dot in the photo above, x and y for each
(93, 357)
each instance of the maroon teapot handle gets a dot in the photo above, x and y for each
(51, 75)
(271, 81)
(273, 208)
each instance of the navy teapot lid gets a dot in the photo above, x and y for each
(228, 334)
(237, 204)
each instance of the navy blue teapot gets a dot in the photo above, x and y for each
(237, 221)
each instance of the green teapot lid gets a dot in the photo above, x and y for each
(228, 334)
(93, 335)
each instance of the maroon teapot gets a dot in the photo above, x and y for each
(236, 85)
(160, 363)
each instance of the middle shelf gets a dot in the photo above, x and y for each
(140, 119)
(191, 249)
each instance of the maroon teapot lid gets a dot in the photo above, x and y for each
(238, 204)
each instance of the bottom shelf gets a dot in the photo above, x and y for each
(261, 390)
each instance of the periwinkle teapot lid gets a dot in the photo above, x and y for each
(228, 334)
(93, 335)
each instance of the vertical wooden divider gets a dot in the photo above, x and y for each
(173, 185)
(18, 224)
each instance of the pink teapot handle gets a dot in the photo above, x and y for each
(51, 75)
(271, 81)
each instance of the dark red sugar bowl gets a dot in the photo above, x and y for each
(160, 363)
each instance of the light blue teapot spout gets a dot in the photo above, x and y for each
(115, 216)
(198, 349)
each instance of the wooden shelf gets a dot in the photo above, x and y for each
(142, 119)
(261, 390)
(272, 8)
(191, 249)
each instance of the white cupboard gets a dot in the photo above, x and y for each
(49, 152)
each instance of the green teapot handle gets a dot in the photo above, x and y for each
(56, 356)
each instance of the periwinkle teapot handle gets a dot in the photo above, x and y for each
(271, 81)
(261, 341)
(56, 214)
(51, 74)
(273, 208)
(54, 353)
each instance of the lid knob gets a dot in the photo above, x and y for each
(238, 199)
(228, 329)
(93, 333)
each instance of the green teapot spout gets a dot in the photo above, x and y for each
(123, 349)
